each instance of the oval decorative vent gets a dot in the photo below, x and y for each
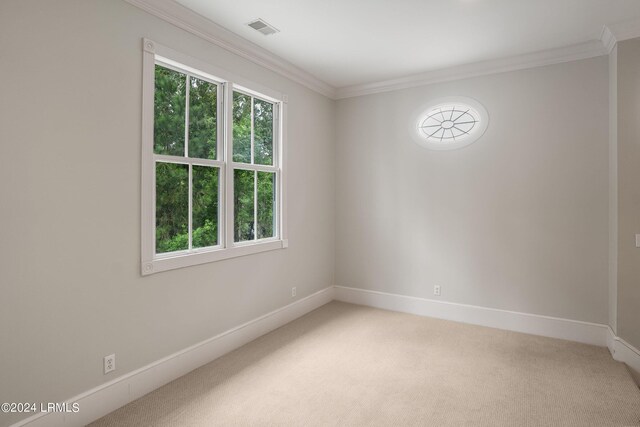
(451, 123)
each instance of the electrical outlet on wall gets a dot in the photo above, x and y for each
(109, 363)
(436, 290)
(293, 292)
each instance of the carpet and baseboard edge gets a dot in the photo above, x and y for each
(547, 326)
(110, 396)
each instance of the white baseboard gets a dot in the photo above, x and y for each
(572, 330)
(622, 351)
(110, 396)
(554, 327)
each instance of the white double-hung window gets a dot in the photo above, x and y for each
(212, 163)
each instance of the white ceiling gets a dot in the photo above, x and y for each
(350, 42)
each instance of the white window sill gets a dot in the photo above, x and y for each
(185, 260)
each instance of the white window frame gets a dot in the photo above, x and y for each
(154, 53)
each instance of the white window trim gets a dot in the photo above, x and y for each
(227, 248)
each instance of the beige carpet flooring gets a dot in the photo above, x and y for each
(348, 365)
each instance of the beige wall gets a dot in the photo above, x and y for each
(520, 220)
(628, 112)
(515, 221)
(71, 290)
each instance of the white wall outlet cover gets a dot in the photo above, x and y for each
(109, 363)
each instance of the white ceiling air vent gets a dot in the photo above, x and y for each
(263, 27)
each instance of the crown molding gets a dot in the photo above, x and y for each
(625, 30)
(186, 19)
(575, 52)
(608, 39)
(614, 33)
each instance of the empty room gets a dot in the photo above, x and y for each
(319, 213)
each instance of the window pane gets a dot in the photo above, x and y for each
(172, 207)
(266, 204)
(263, 132)
(241, 128)
(202, 119)
(205, 206)
(243, 185)
(169, 106)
